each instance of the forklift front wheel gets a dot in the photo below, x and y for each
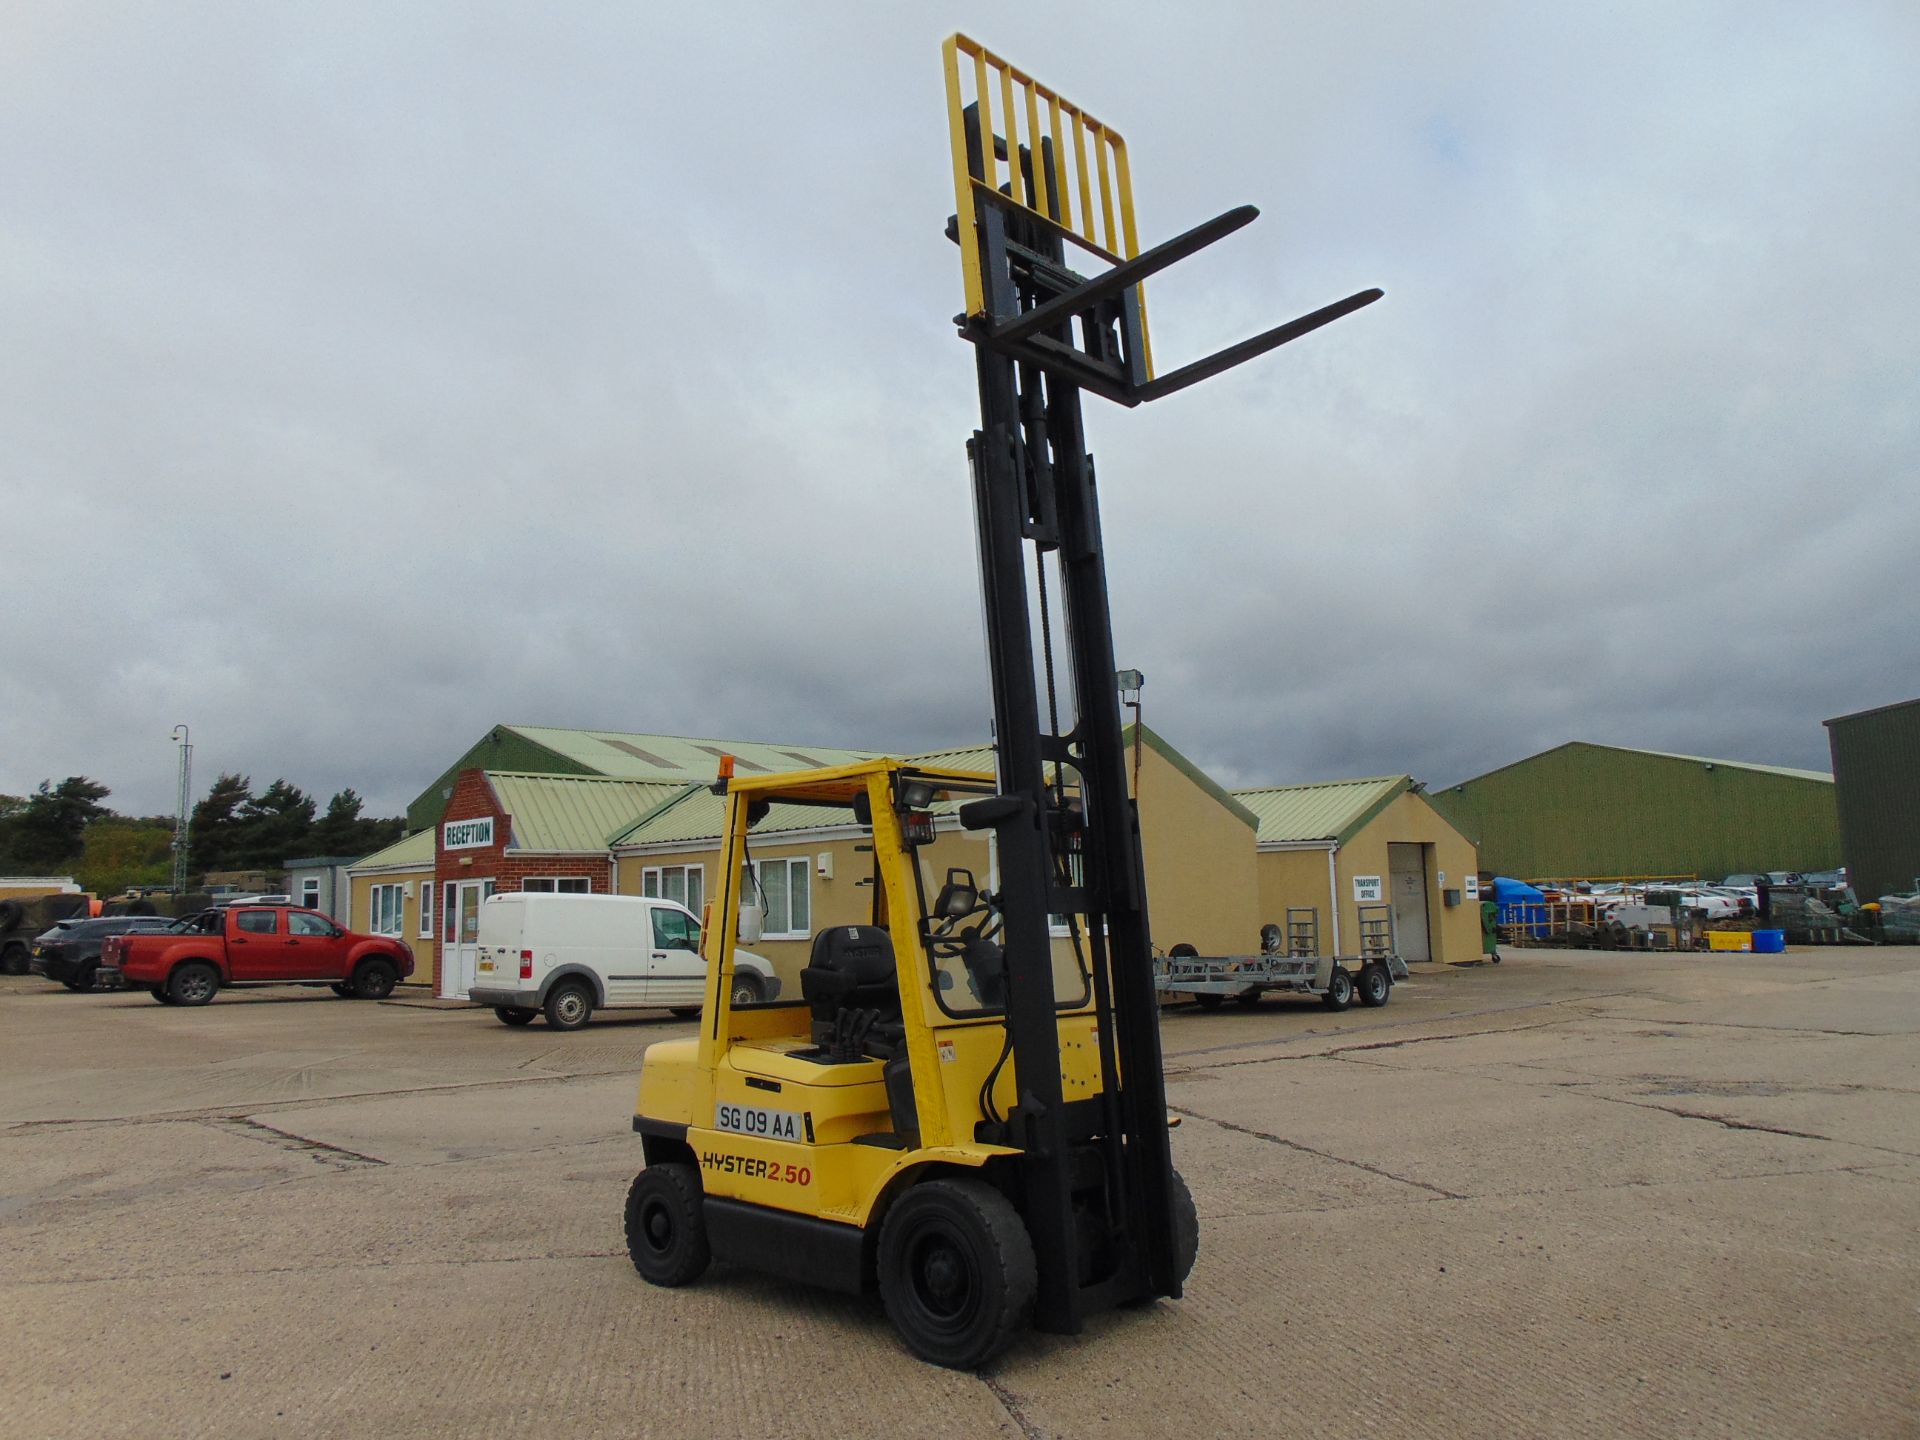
(957, 1272)
(666, 1234)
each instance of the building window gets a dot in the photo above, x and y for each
(385, 905)
(557, 885)
(686, 884)
(310, 892)
(426, 910)
(785, 889)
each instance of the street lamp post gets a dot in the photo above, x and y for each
(183, 738)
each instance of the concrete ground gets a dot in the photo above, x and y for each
(1574, 1195)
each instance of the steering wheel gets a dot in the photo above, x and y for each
(976, 947)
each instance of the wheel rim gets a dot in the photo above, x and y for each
(942, 1281)
(743, 994)
(656, 1226)
(195, 985)
(1342, 987)
(570, 1007)
(1376, 986)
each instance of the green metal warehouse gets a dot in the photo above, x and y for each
(1584, 810)
(1876, 776)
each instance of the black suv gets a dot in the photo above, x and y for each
(70, 951)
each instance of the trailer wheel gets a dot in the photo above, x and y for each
(1249, 998)
(1376, 985)
(956, 1271)
(1339, 990)
(1209, 1002)
(666, 1233)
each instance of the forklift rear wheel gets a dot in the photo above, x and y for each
(568, 1006)
(514, 1015)
(666, 1235)
(1376, 985)
(957, 1271)
(1339, 990)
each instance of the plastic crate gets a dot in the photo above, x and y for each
(1731, 940)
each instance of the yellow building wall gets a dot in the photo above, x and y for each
(1454, 930)
(1202, 881)
(1299, 878)
(1296, 878)
(360, 915)
(34, 889)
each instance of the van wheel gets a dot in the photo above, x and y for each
(1376, 985)
(513, 1015)
(1339, 990)
(956, 1271)
(747, 989)
(375, 979)
(568, 1006)
(683, 1012)
(666, 1233)
(193, 983)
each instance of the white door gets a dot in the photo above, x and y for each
(676, 975)
(461, 950)
(1407, 885)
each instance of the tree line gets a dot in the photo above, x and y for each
(66, 829)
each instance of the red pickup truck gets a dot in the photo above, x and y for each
(254, 945)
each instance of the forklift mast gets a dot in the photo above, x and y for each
(1033, 175)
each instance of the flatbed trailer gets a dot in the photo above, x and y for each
(1296, 969)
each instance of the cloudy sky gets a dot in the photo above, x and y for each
(371, 374)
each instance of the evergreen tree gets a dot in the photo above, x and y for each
(48, 833)
(214, 837)
(274, 827)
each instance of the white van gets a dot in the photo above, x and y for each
(567, 954)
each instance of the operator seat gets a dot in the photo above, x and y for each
(853, 990)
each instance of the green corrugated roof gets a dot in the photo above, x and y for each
(1332, 810)
(415, 849)
(1785, 770)
(678, 758)
(575, 812)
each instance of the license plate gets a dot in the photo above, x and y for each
(752, 1120)
(486, 964)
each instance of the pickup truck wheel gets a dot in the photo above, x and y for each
(1339, 990)
(1376, 985)
(342, 989)
(747, 989)
(375, 979)
(512, 1015)
(159, 992)
(568, 1006)
(666, 1232)
(193, 983)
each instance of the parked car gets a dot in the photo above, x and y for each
(254, 945)
(70, 951)
(567, 955)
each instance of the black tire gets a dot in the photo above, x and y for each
(342, 989)
(159, 992)
(374, 979)
(666, 1232)
(1248, 999)
(13, 959)
(11, 914)
(87, 979)
(1209, 1002)
(513, 1015)
(956, 1271)
(1186, 1229)
(1339, 990)
(1376, 985)
(748, 989)
(683, 1012)
(1182, 951)
(569, 1005)
(194, 983)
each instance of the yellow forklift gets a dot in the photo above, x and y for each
(965, 1108)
